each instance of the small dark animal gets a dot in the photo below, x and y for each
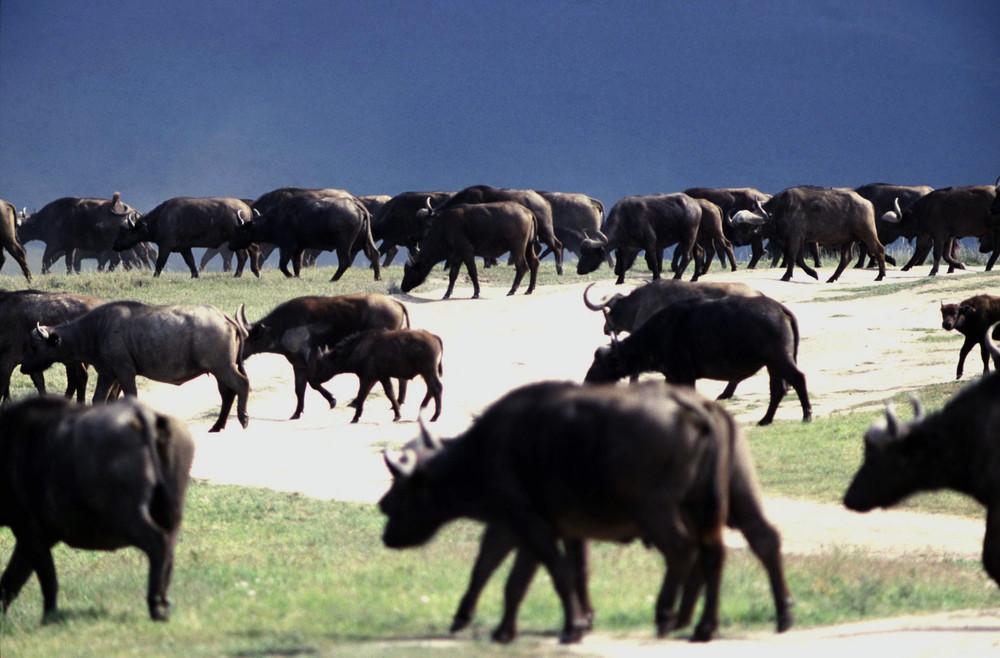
(377, 355)
(954, 448)
(558, 461)
(728, 339)
(971, 317)
(96, 478)
(8, 238)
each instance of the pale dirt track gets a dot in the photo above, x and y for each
(853, 353)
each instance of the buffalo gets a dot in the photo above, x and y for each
(182, 223)
(731, 200)
(377, 355)
(401, 222)
(940, 217)
(301, 325)
(96, 478)
(172, 344)
(558, 461)
(728, 339)
(8, 238)
(889, 203)
(72, 223)
(644, 223)
(574, 218)
(461, 232)
(828, 216)
(954, 448)
(971, 317)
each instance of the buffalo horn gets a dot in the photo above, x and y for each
(991, 346)
(429, 441)
(899, 211)
(403, 466)
(892, 423)
(997, 183)
(41, 331)
(591, 305)
(763, 213)
(239, 216)
(256, 213)
(918, 409)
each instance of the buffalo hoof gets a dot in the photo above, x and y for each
(159, 612)
(666, 623)
(787, 277)
(218, 427)
(764, 421)
(296, 415)
(703, 632)
(459, 623)
(785, 621)
(244, 420)
(504, 635)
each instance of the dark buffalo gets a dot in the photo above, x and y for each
(644, 223)
(530, 199)
(575, 217)
(746, 514)
(377, 355)
(971, 317)
(944, 215)
(182, 223)
(954, 448)
(294, 329)
(555, 461)
(731, 200)
(889, 202)
(727, 339)
(71, 223)
(824, 215)
(400, 222)
(711, 240)
(307, 221)
(8, 238)
(461, 232)
(20, 312)
(96, 478)
(171, 344)
(627, 312)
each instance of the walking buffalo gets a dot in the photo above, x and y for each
(182, 223)
(294, 329)
(954, 448)
(96, 478)
(944, 215)
(172, 344)
(574, 217)
(971, 317)
(727, 339)
(731, 200)
(889, 203)
(400, 222)
(558, 461)
(461, 232)
(377, 355)
(644, 223)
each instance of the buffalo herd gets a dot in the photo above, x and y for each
(546, 467)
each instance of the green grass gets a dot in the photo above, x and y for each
(268, 573)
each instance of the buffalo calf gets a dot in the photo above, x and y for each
(377, 355)
(971, 317)
(96, 478)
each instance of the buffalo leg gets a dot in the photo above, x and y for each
(453, 268)
(228, 395)
(343, 262)
(730, 390)
(189, 261)
(434, 389)
(791, 255)
(233, 384)
(494, 546)
(387, 387)
(991, 543)
(327, 395)
(964, 352)
(533, 261)
(364, 388)
(470, 266)
(76, 381)
(300, 393)
(161, 261)
(765, 542)
(520, 577)
(18, 570)
(40, 557)
(17, 251)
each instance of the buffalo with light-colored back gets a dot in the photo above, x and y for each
(557, 460)
(96, 478)
(378, 355)
(172, 344)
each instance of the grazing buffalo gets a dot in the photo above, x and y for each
(889, 202)
(172, 344)
(71, 223)
(954, 448)
(574, 218)
(728, 339)
(307, 221)
(940, 217)
(530, 199)
(8, 238)
(971, 317)
(182, 223)
(558, 461)
(294, 329)
(827, 216)
(400, 222)
(731, 200)
(644, 223)
(20, 313)
(461, 232)
(627, 312)
(96, 478)
(377, 355)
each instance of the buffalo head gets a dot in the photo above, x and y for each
(43, 350)
(131, 233)
(607, 306)
(608, 365)
(593, 252)
(415, 271)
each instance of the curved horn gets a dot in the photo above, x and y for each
(239, 216)
(428, 440)
(41, 331)
(991, 346)
(243, 316)
(403, 466)
(427, 204)
(918, 409)
(892, 423)
(589, 304)
(760, 207)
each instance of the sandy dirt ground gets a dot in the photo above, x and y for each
(853, 352)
